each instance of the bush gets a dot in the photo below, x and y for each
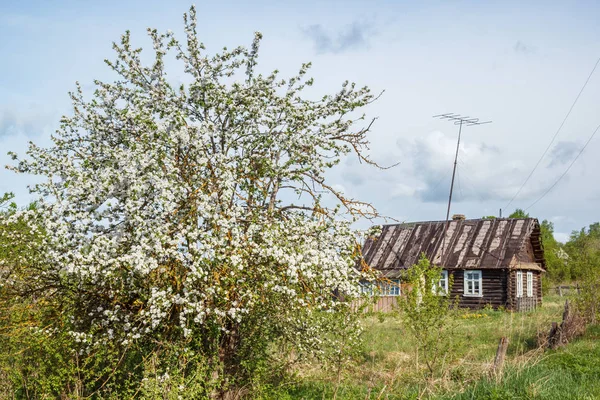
(429, 312)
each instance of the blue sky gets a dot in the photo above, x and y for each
(520, 66)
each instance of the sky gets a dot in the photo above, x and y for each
(519, 65)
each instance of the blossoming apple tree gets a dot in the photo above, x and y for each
(201, 210)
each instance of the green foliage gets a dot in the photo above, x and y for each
(428, 311)
(583, 249)
(556, 260)
(584, 260)
(17, 240)
(578, 259)
(558, 268)
(38, 358)
(519, 213)
(488, 308)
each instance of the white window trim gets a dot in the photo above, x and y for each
(436, 287)
(519, 284)
(465, 286)
(529, 284)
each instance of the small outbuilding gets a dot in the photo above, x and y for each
(497, 262)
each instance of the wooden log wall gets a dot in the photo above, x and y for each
(494, 288)
(499, 289)
(513, 302)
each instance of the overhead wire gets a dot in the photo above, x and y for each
(433, 188)
(462, 196)
(555, 135)
(469, 181)
(567, 170)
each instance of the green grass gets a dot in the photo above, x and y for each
(389, 368)
(572, 372)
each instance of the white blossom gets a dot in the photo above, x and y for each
(176, 208)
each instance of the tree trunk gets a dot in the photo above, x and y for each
(228, 358)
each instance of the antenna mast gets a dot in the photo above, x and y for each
(459, 120)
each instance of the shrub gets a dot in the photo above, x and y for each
(429, 312)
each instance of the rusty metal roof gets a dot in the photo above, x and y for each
(469, 244)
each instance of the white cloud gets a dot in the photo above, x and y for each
(524, 48)
(29, 120)
(562, 237)
(482, 170)
(353, 36)
(403, 190)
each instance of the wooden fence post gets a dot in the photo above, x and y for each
(560, 290)
(500, 355)
(557, 337)
(552, 336)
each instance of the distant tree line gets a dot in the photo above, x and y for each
(576, 260)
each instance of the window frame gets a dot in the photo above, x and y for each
(366, 288)
(466, 292)
(438, 288)
(529, 284)
(519, 278)
(392, 288)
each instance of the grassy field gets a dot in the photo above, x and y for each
(389, 365)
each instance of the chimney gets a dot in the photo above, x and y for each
(458, 217)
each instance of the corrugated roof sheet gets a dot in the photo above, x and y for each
(468, 244)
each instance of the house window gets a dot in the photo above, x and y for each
(366, 288)
(387, 288)
(442, 286)
(529, 284)
(519, 283)
(473, 284)
(391, 288)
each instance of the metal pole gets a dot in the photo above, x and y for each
(451, 188)
(458, 120)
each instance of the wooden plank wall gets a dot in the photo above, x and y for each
(383, 304)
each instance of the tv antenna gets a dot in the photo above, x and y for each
(459, 120)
